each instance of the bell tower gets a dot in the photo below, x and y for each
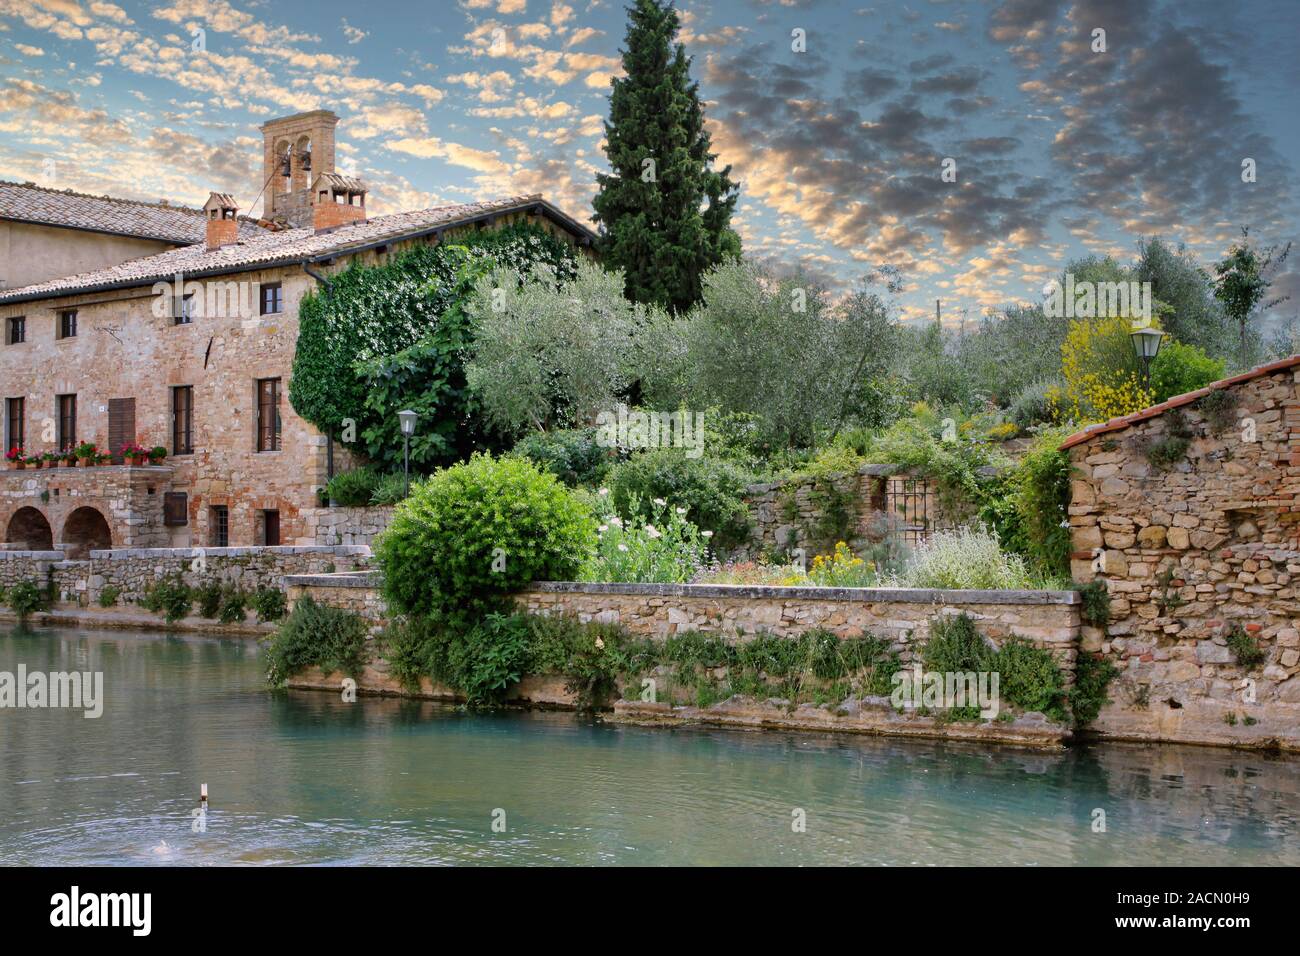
(296, 150)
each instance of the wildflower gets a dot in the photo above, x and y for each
(616, 522)
(603, 492)
(622, 547)
(681, 511)
(604, 528)
(659, 503)
(706, 534)
(650, 530)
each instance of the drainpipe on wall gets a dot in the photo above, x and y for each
(329, 435)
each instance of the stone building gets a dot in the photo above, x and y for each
(1189, 511)
(191, 349)
(48, 233)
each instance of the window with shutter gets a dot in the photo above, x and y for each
(176, 509)
(121, 425)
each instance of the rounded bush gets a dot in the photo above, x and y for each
(480, 529)
(712, 490)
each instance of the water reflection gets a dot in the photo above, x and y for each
(303, 777)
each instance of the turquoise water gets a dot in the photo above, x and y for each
(302, 777)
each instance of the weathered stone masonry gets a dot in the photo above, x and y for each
(1220, 526)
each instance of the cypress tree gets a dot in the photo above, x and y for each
(665, 211)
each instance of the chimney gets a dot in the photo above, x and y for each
(337, 201)
(222, 215)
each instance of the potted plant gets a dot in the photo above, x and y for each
(16, 458)
(69, 456)
(51, 459)
(103, 458)
(137, 453)
(157, 454)
(33, 461)
(85, 453)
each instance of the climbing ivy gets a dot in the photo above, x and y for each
(379, 335)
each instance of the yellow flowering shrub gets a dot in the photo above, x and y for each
(1102, 376)
(842, 569)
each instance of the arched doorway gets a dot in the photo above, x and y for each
(86, 531)
(30, 530)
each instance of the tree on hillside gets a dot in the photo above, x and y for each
(1243, 281)
(1193, 315)
(665, 212)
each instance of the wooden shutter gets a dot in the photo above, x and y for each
(176, 510)
(121, 425)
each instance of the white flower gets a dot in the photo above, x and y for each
(603, 492)
(622, 547)
(650, 530)
(659, 502)
(604, 528)
(706, 534)
(681, 511)
(616, 522)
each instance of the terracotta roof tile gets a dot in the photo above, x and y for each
(1126, 421)
(285, 246)
(27, 202)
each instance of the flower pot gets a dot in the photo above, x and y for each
(18, 465)
(139, 461)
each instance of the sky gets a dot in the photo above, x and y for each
(838, 118)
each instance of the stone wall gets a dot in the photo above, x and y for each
(132, 571)
(1190, 553)
(354, 526)
(862, 508)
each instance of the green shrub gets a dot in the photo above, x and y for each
(967, 558)
(668, 549)
(712, 490)
(234, 605)
(956, 646)
(269, 603)
(25, 598)
(108, 595)
(1095, 607)
(208, 598)
(1029, 678)
(169, 596)
(571, 454)
(1246, 650)
(1220, 410)
(389, 489)
(1034, 405)
(1168, 449)
(316, 635)
(478, 530)
(1092, 676)
(1041, 493)
(1178, 369)
(352, 488)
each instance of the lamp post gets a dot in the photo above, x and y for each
(407, 420)
(1146, 343)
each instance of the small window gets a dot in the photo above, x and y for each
(68, 324)
(15, 431)
(183, 420)
(272, 298)
(183, 309)
(16, 330)
(219, 530)
(66, 410)
(268, 414)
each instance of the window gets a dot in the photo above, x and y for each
(68, 324)
(183, 309)
(183, 420)
(272, 298)
(16, 330)
(176, 509)
(67, 422)
(271, 528)
(219, 526)
(268, 414)
(14, 431)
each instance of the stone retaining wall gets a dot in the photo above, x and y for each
(345, 526)
(1191, 552)
(132, 571)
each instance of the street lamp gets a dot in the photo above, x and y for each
(1146, 342)
(407, 420)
